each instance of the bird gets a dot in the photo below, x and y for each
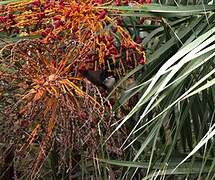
(100, 78)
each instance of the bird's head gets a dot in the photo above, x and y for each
(102, 78)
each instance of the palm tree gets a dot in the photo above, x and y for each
(164, 99)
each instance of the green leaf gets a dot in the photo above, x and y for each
(161, 10)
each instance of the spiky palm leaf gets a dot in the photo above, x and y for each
(174, 114)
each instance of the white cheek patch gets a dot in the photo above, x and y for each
(109, 82)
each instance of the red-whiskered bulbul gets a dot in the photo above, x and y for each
(104, 79)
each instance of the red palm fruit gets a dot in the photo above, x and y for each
(110, 38)
(56, 18)
(78, 9)
(112, 48)
(98, 1)
(46, 6)
(36, 2)
(148, 1)
(61, 3)
(41, 15)
(118, 21)
(132, 46)
(142, 20)
(113, 52)
(3, 19)
(102, 15)
(47, 1)
(112, 101)
(109, 44)
(142, 48)
(83, 115)
(58, 23)
(10, 16)
(124, 46)
(142, 1)
(46, 32)
(138, 40)
(126, 2)
(107, 52)
(118, 2)
(68, 14)
(141, 61)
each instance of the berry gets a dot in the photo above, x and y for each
(118, 2)
(138, 40)
(102, 15)
(98, 1)
(142, 1)
(141, 61)
(36, 2)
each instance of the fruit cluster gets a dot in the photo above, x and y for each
(83, 22)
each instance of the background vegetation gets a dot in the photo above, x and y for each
(158, 121)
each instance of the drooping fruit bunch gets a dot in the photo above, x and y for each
(107, 44)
